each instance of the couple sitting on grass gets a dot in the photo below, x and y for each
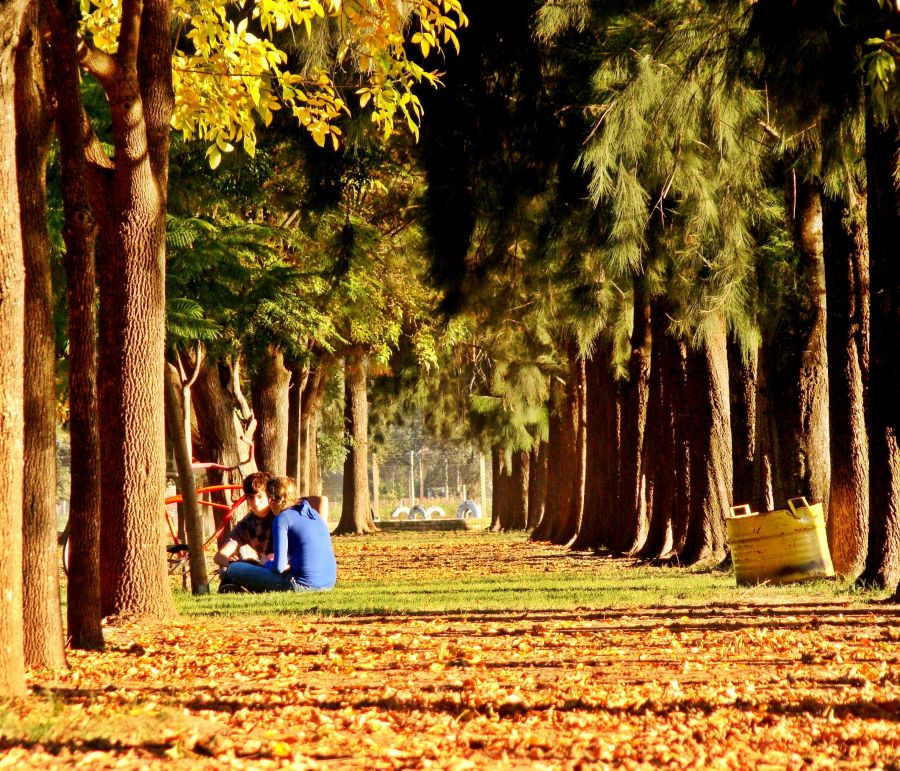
(290, 541)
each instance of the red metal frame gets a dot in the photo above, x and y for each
(212, 504)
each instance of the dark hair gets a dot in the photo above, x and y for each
(281, 490)
(256, 482)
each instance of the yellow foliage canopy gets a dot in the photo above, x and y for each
(227, 77)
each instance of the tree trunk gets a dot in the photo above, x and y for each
(518, 491)
(310, 404)
(356, 515)
(565, 501)
(766, 453)
(219, 431)
(537, 484)
(847, 284)
(130, 205)
(659, 449)
(710, 447)
(601, 448)
(193, 526)
(555, 484)
(43, 634)
(883, 418)
(681, 456)
(299, 376)
(743, 376)
(797, 361)
(269, 389)
(83, 617)
(499, 496)
(631, 501)
(376, 487)
(12, 320)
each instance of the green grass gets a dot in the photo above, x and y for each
(580, 583)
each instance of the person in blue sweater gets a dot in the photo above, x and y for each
(303, 556)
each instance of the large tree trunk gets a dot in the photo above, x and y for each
(629, 525)
(311, 405)
(566, 467)
(299, 377)
(269, 389)
(12, 307)
(537, 484)
(710, 447)
(681, 456)
(193, 526)
(765, 455)
(555, 484)
(601, 447)
(83, 617)
(518, 491)
(743, 377)
(43, 634)
(499, 496)
(883, 418)
(847, 284)
(797, 369)
(356, 515)
(130, 205)
(219, 430)
(659, 447)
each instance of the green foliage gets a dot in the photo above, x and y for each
(674, 158)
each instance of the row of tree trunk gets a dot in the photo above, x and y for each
(696, 429)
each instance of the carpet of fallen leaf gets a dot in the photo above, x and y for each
(800, 685)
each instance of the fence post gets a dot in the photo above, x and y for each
(412, 478)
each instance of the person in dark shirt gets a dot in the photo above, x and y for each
(303, 557)
(251, 538)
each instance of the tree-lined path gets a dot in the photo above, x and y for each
(780, 678)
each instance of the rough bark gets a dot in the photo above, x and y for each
(269, 389)
(601, 447)
(376, 486)
(710, 447)
(356, 514)
(193, 526)
(659, 447)
(632, 512)
(565, 471)
(216, 409)
(518, 491)
(42, 628)
(847, 284)
(312, 410)
(299, 376)
(499, 486)
(12, 307)
(681, 456)
(766, 453)
(311, 404)
(883, 418)
(797, 369)
(130, 205)
(79, 232)
(555, 464)
(743, 377)
(537, 484)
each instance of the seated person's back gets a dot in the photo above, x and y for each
(301, 542)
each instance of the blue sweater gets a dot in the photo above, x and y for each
(301, 542)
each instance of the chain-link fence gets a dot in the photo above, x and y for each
(433, 480)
